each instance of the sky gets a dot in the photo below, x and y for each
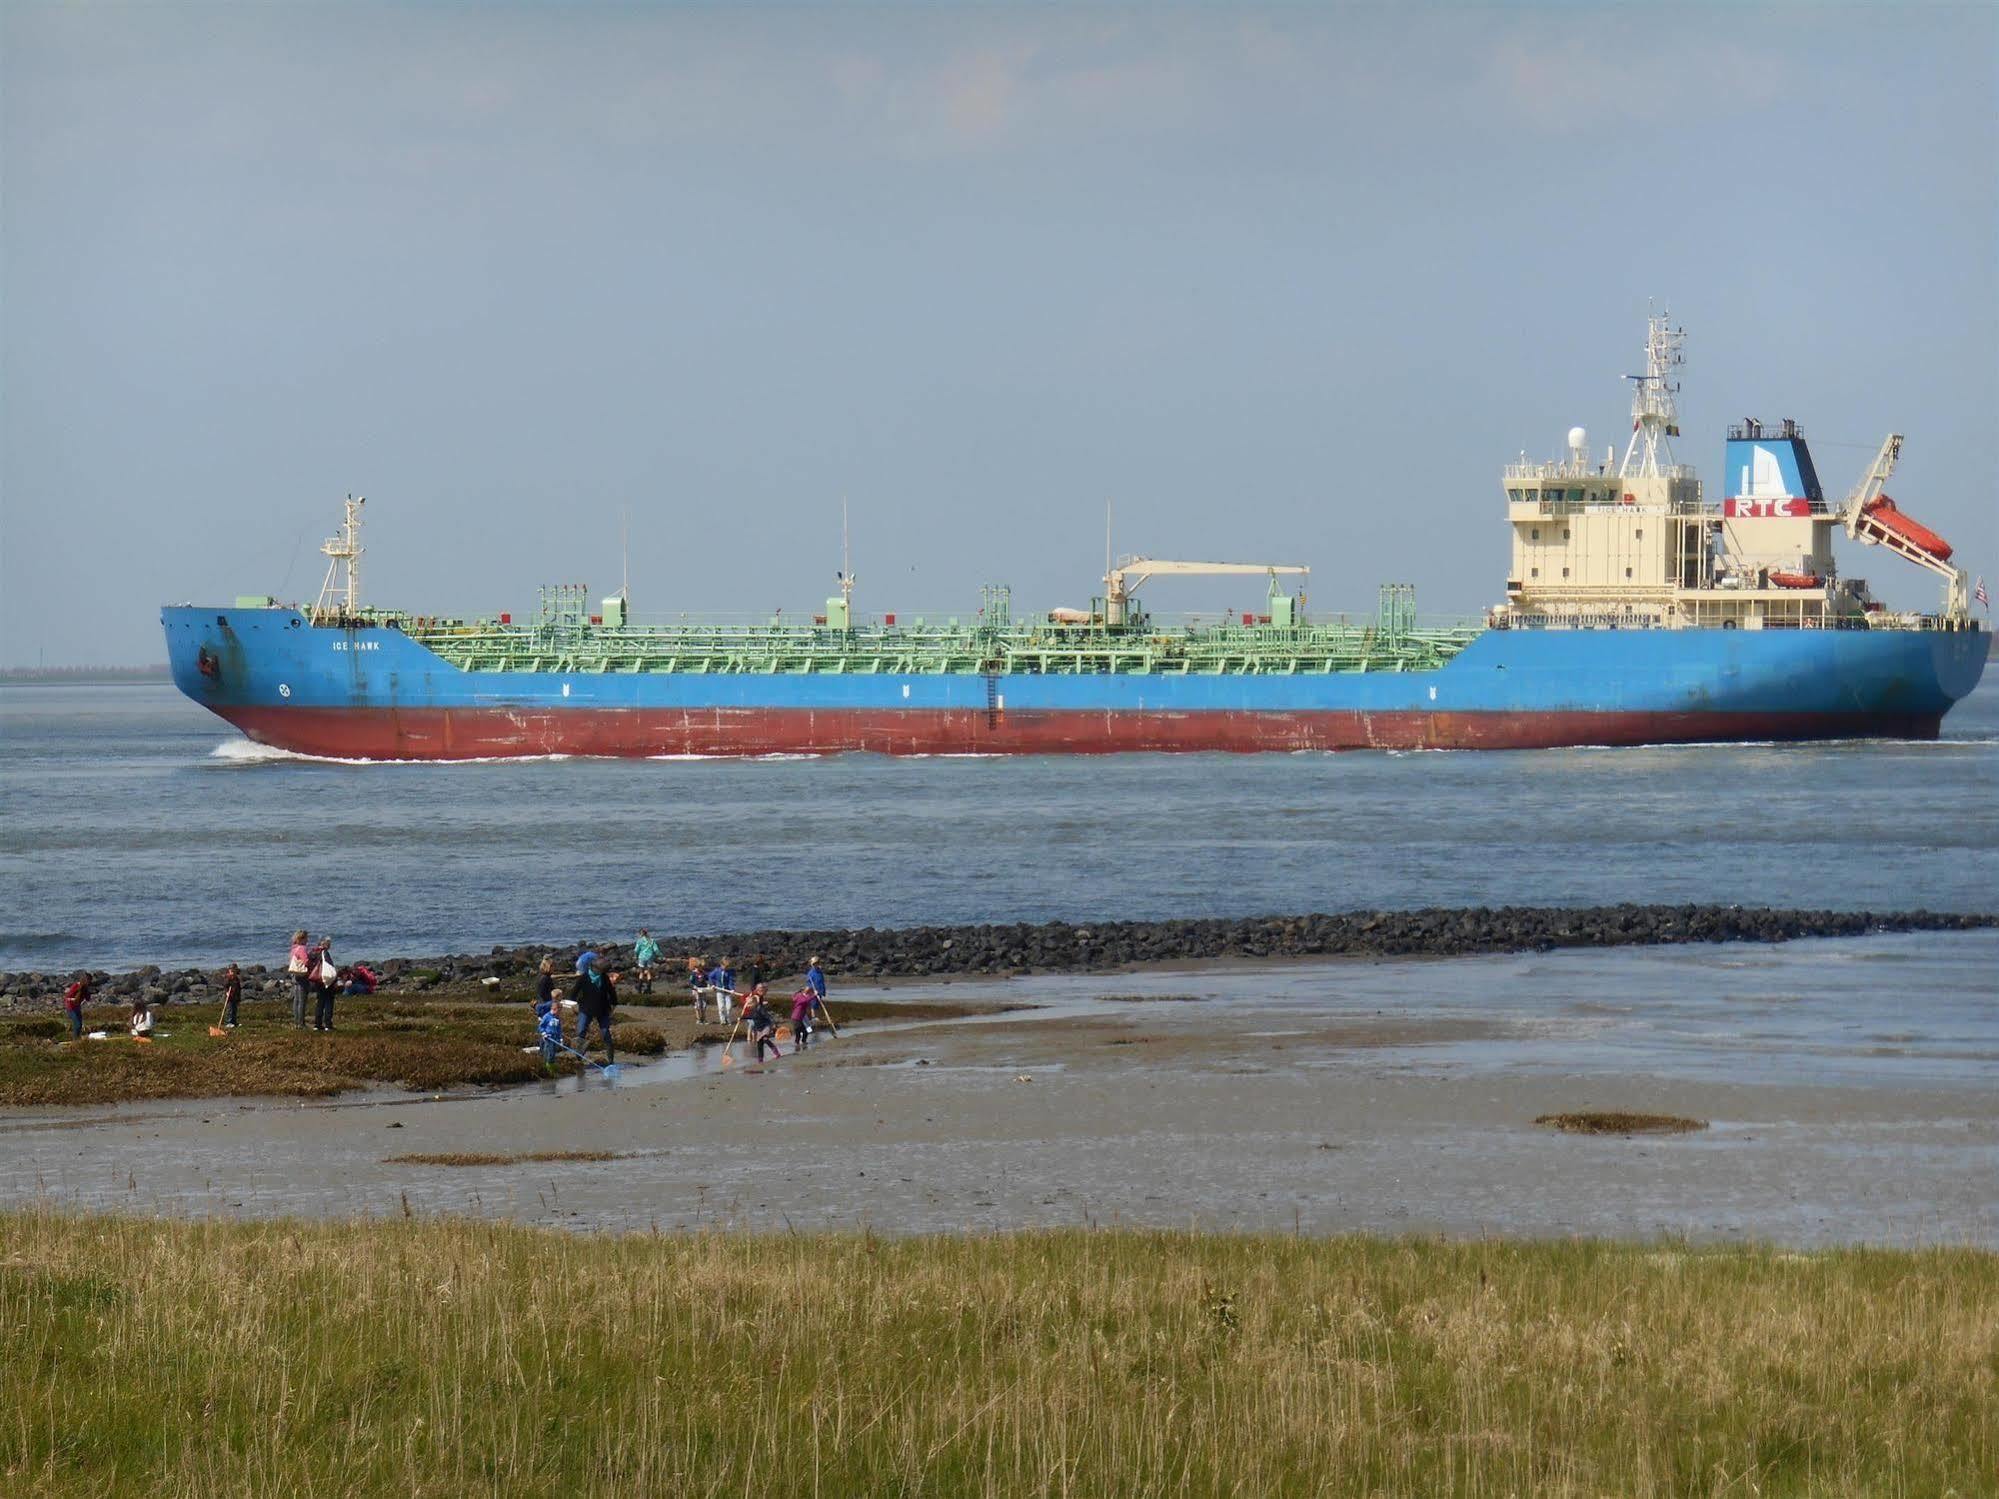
(1278, 285)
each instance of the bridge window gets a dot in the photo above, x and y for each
(1534, 534)
(1533, 572)
(1627, 572)
(1565, 572)
(1639, 533)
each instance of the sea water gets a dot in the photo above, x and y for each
(135, 827)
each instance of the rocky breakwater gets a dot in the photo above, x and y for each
(1066, 947)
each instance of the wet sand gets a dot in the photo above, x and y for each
(1393, 1097)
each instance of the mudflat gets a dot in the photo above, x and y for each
(1396, 1097)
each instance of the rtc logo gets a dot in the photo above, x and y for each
(1737, 507)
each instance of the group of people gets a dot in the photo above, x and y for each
(316, 979)
(593, 994)
(717, 992)
(139, 1024)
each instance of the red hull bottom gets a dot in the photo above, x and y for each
(477, 733)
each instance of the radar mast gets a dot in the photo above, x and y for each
(1655, 415)
(346, 549)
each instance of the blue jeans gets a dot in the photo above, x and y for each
(76, 1023)
(583, 1025)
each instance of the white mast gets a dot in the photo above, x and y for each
(1654, 414)
(846, 563)
(343, 550)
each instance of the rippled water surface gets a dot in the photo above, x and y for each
(135, 827)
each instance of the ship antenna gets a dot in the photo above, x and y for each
(1107, 541)
(1655, 415)
(846, 562)
(343, 549)
(625, 551)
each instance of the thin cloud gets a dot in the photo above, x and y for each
(1570, 86)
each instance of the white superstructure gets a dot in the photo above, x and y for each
(1599, 542)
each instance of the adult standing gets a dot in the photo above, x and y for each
(596, 995)
(324, 979)
(74, 998)
(815, 980)
(300, 968)
(232, 996)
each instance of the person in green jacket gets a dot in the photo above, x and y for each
(645, 956)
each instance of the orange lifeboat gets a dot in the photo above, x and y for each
(1884, 514)
(1795, 580)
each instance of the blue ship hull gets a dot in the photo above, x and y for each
(372, 692)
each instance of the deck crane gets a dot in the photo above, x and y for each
(1131, 574)
(1871, 517)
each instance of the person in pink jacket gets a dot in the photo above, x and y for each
(300, 969)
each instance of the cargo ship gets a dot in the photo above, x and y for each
(1637, 610)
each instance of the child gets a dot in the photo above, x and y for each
(697, 986)
(801, 1018)
(549, 1024)
(722, 980)
(645, 954)
(763, 1024)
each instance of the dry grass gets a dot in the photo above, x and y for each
(1622, 1124)
(479, 1158)
(407, 1043)
(446, 1358)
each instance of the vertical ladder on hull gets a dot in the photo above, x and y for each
(992, 701)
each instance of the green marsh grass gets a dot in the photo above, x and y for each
(412, 1043)
(439, 1357)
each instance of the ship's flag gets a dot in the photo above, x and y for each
(1981, 595)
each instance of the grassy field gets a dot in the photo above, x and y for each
(448, 1358)
(412, 1043)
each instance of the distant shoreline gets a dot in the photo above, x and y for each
(937, 953)
(84, 676)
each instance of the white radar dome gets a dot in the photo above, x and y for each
(1578, 440)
